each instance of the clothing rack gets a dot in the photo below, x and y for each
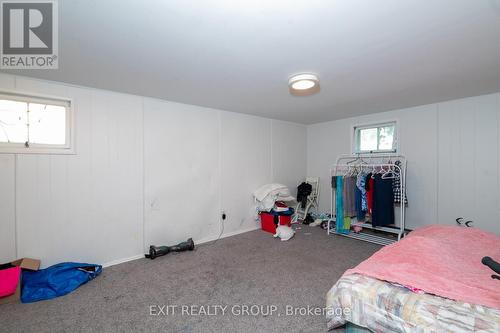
(375, 162)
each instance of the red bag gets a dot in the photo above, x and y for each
(9, 278)
(269, 221)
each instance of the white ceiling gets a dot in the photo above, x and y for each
(237, 55)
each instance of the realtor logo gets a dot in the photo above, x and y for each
(29, 35)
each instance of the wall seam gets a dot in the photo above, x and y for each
(307, 152)
(438, 167)
(16, 233)
(220, 181)
(498, 150)
(474, 160)
(273, 178)
(16, 241)
(143, 176)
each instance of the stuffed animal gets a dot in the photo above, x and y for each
(284, 232)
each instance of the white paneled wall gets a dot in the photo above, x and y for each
(88, 206)
(200, 162)
(145, 171)
(469, 169)
(182, 178)
(7, 193)
(246, 165)
(453, 151)
(7, 207)
(289, 141)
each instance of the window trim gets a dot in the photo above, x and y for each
(38, 148)
(355, 137)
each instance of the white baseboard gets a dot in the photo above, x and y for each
(121, 261)
(229, 234)
(201, 241)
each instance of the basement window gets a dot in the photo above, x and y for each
(31, 124)
(378, 138)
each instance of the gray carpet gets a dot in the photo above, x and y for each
(251, 268)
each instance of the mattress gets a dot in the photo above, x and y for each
(385, 307)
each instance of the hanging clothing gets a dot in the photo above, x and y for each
(361, 183)
(383, 202)
(396, 186)
(361, 197)
(347, 224)
(349, 194)
(369, 185)
(360, 213)
(303, 191)
(339, 205)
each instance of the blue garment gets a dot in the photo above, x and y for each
(288, 212)
(360, 213)
(360, 183)
(57, 280)
(339, 206)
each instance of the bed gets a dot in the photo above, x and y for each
(444, 289)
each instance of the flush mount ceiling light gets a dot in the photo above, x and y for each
(303, 84)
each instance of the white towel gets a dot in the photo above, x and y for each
(268, 194)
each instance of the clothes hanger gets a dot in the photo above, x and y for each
(346, 171)
(353, 171)
(390, 171)
(373, 169)
(352, 161)
(389, 174)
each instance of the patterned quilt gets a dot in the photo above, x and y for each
(384, 307)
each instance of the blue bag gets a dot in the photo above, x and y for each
(57, 280)
(287, 212)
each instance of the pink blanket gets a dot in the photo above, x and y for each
(440, 260)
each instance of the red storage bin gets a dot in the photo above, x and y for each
(269, 221)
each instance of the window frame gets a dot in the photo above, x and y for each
(39, 148)
(356, 132)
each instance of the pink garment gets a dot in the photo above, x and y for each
(9, 278)
(440, 260)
